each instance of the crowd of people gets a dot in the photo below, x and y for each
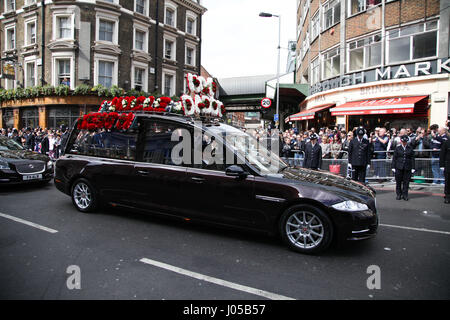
(335, 143)
(42, 140)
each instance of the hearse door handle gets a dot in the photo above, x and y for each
(198, 179)
(143, 172)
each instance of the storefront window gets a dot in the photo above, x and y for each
(8, 118)
(30, 118)
(58, 116)
(413, 42)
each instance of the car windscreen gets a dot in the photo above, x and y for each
(257, 153)
(9, 144)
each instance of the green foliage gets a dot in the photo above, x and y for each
(82, 89)
(62, 90)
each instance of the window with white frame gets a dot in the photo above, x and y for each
(106, 73)
(191, 26)
(64, 27)
(139, 40)
(356, 6)
(30, 74)
(170, 14)
(63, 68)
(315, 26)
(30, 32)
(331, 63)
(169, 49)
(107, 26)
(331, 13)
(10, 5)
(10, 38)
(190, 55)
(413, 42)
(305, 9)
(29, 2)
(168, 84)
(305, 44)
(364, 53)
(315, 71)
(106, 30)
(139, 78)
(141, 6)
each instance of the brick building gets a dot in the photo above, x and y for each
(373, 62)
(148, 45)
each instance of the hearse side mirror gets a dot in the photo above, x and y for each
(236, 171)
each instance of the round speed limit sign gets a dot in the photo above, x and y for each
(266, 103)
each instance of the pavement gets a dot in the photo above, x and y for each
(125, 255)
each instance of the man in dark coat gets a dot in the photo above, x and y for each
(359, 154)
(403, 165)
(444, 164)
(313, 153)
(64, 138)
(29, 139)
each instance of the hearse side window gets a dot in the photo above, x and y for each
(107, 144)
(212, 157)
(158, 143)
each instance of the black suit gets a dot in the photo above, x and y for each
(403, 161)
(313, 156)
(359, 154)
(444, 162)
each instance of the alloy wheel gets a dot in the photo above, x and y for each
(304, 229)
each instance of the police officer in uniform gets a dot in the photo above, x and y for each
(444, 164)
(403, 166)
(313, 153)
(359, 152)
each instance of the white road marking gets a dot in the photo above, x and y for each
(415, 229)
(32, 224)
(217, 281)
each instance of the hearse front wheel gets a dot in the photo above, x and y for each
(83, 196)
(306, 229)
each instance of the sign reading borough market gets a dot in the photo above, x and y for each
(422, 68)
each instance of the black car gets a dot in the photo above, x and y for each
(18, 165)
(145, 168)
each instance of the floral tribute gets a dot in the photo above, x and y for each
(119, 113)
(200, 98)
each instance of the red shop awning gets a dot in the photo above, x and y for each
(307, 114)
(398, 105)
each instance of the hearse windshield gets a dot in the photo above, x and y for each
(257, 153)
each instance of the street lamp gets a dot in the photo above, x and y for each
(269, 15)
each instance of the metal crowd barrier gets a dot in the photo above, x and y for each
(427, 168)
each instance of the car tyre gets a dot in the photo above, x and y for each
(306, 229)
(83, 196)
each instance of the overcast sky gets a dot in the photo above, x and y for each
(237, 42)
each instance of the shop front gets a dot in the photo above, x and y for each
(317, 117)
(398, 103)
(391, 112)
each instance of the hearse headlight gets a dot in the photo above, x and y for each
(4, 164)
(350, 206)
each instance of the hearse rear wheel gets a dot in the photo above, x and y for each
(306, 229)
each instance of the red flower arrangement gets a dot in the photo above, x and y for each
(124, 121)
(196, 81)
(164, 102)
(214, 105)
(150, 105)
(214, 87)
(201, 105)
(207, 103)
(111, 119)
